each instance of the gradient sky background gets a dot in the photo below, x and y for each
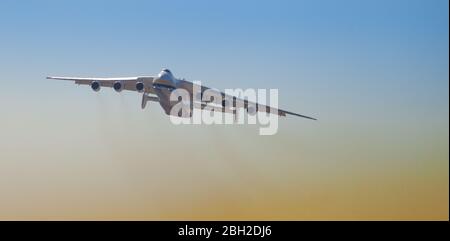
(375, 73)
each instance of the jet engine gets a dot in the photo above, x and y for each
(140, 87)
(95, 86)
(118, 86)
(252, 109)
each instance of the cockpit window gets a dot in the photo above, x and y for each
(167, 70)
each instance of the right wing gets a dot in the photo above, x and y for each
(129, 83)
(189, 86)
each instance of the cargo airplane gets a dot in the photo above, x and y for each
(158, 89)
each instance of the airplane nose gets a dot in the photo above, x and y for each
(163, 80)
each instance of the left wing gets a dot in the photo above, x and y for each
(129, 83)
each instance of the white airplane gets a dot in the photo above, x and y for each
(158, 89)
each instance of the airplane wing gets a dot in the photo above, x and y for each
(241, 102)
(129, 83)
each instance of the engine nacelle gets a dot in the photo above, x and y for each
(252, 109)
(140, 87)
(118, 86)
(95, 86)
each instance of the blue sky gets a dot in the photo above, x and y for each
(391, 48)
(374, 72)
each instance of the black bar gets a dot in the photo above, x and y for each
(223, 230)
